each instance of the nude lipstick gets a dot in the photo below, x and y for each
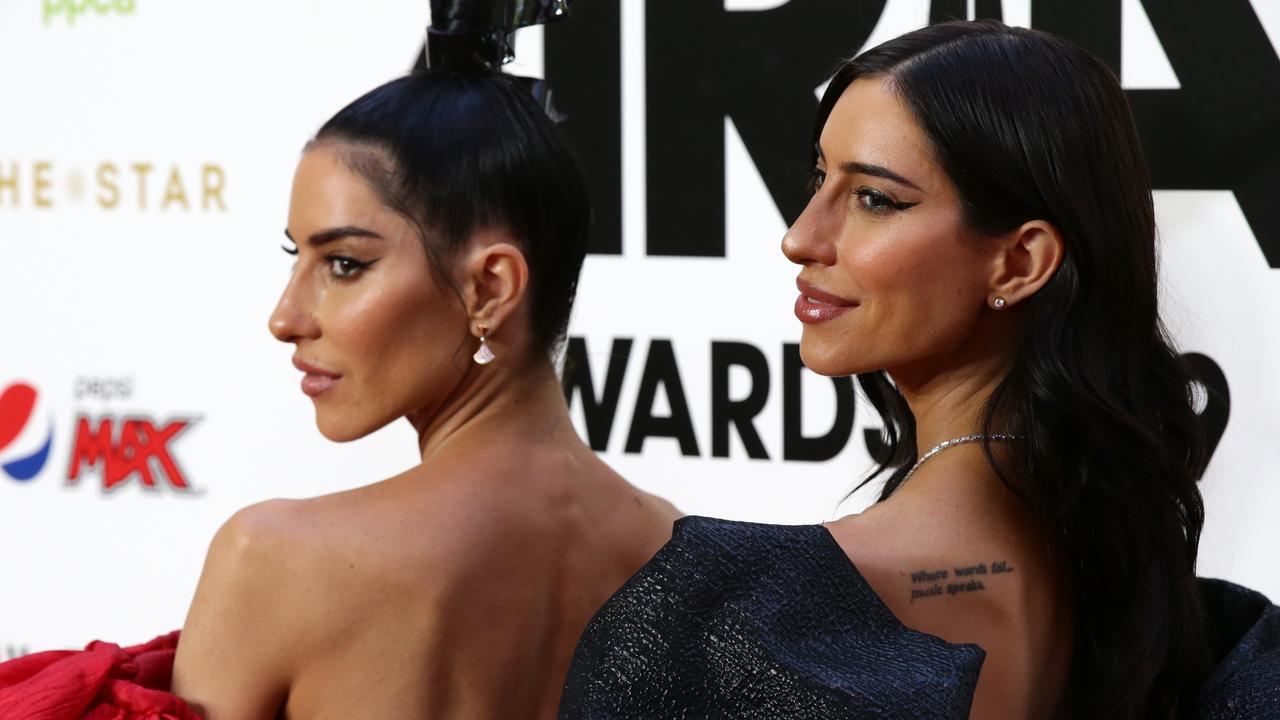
(315, 381)
(815, 305)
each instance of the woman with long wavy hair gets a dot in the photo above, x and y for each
(980, 250)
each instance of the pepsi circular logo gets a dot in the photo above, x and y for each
(17, 407)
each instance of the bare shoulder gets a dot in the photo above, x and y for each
(937, 575)
(237, 649)
(286, 581)
(256, 536)
(270, 548)
(252, 554)
(985, 578)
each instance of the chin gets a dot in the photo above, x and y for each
(341, 430)
(828, 360)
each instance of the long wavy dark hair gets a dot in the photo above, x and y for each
(1028, 126)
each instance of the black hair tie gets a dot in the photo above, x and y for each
(471, 35)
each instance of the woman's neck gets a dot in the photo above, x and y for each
(948, 399)
(495, 402)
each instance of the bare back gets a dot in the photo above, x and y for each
(457, 590)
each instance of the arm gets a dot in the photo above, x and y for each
(233, 659)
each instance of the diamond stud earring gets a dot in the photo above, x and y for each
(998, 303)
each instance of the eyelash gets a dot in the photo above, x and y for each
(351, 266)
(885, 203)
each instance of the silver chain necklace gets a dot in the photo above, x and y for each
(962, 440)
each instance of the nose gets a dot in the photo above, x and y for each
(810, 240)
(293, 319)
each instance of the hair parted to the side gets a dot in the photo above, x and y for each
(1028, 126)
(456, 152)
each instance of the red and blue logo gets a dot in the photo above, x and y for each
(17, 408)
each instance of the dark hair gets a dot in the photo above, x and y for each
(1028, 126)
(459, 151)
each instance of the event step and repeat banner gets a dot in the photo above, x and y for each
(146, 155)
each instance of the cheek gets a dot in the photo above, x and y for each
(918, 287)
(919, 273)
(364, 321)
(398, 337)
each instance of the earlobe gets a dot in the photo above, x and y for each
(1029, 257)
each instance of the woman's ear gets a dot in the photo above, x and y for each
(493, 278)
(1027, 259)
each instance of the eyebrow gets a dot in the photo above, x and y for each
(876, 171)
(332, 234)
(867, 169)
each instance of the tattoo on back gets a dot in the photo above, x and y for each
(955, 580)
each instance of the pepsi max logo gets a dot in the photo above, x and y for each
(121, 449)
(24, 443)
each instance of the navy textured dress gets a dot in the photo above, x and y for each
(753, 622)
(743, 620)
(1245, 629)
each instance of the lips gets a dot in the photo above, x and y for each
(815, 305)
(316, 380)
(313, 385)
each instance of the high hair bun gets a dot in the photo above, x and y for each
(475, 35)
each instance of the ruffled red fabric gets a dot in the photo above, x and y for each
(102, 682)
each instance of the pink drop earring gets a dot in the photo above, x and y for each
(484, 355)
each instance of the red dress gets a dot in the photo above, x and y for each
(101, 682)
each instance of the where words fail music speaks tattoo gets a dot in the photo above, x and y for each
(956, 580)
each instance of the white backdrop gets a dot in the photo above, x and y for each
(146, 152)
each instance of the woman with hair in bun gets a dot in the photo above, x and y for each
(439, 224)
(980, 250)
